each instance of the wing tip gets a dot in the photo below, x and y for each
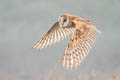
(37, 47)
(99, 31)
(34, 47)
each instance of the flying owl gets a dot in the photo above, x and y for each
(82, 39)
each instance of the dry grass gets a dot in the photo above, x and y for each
(53, 76)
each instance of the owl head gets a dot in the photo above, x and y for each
(65, 20)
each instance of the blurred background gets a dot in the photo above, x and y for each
(23, 22)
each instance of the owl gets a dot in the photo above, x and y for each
(83, 35)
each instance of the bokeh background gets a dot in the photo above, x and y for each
(23, 22)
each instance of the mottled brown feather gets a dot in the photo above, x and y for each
(82, 39)
(80, 43)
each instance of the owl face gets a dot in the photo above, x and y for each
(64, 21)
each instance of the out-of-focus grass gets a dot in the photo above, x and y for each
(53, 76)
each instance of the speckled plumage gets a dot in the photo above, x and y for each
(81, 41)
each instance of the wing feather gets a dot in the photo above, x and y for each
(51, 39)
(64, 33)
(79, 46)
(55, 34)
(61, 34)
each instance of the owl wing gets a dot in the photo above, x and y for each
(55, 34)
(78, 47)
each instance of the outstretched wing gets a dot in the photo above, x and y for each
(55, 34)
(80, 44)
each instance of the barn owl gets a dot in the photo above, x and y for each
(82, 38)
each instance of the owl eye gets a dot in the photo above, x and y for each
(65, 20)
